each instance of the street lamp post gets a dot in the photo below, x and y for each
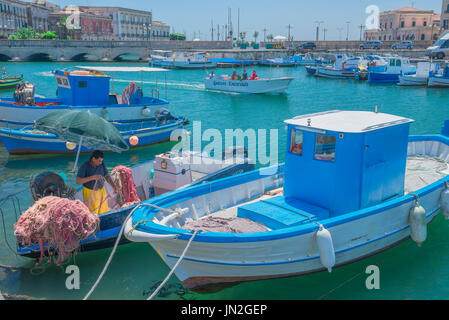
(318, 29)
(347, 30)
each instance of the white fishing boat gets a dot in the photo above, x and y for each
(225, 84)
(419, 79)
(440, 77)
(388, 69)
(183, 60)
(344, 67)
(350, 188)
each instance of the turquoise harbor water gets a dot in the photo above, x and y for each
(406, 271)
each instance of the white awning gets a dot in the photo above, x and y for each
(122, 69)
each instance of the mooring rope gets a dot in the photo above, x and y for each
(176, 265)
(117, 242)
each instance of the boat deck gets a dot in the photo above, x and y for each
(274, 211)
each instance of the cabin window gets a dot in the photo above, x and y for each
(398, 63)
(82, 84)
(59, 81)
(325, 148)
(392, 63)
(296, 144)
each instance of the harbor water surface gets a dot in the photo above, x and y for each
(406, 271)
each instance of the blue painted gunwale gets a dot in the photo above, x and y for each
(214, 237)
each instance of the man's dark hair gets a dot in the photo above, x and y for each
(97, 155)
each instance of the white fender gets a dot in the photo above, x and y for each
(139, 236)
(445, 203)
(146, 112)
(418, 224)
(325, 248)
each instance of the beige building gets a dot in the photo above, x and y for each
(160, 31)
(37, 16)
(406, 24)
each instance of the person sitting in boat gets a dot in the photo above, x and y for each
(254, 76)
(234, 76)
(90, 175)
(212, 75)
(244, 75)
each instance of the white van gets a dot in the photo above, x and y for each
(441, 48)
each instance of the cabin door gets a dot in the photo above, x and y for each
(374, 170)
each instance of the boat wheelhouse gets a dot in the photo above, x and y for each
(388, 69)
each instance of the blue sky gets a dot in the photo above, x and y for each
(195, 16)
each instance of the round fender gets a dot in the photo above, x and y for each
(418, 224)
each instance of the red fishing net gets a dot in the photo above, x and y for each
(58, 223)
(123, 179)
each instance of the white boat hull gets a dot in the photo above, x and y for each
(284, 254)
(279, 85)
(20, 116)
(438, 82)
(335, 73)
(412, 80)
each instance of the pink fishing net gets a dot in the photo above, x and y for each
(123, 179)
(59, 223)
(234, 225)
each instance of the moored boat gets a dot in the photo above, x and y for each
(439, 78)
(86, 89)
(22, 141)
(344, 68)
(388, 69)
(343, 194)
(419, 79)
(279, 62)
(183, 60)
(9, 83)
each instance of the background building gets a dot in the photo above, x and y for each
(406, 24)
(128, 24)
(37, 16)
(13, 16)
(90, 26)
(160, 31)
(445, 16)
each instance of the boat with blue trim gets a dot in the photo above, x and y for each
(183, 60)
(388, 69)
(439, 78)
(279, 62)
(167, 172)
(90, 89)
(350, 188)
(343, 68)
(27, 140)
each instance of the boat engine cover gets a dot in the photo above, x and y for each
(50, 184)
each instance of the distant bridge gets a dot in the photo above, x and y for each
(69, 50)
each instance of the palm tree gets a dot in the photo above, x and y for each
(270, 37)
(255, 35)
(243, 36)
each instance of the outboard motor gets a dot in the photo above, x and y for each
(163, 115)
(50, 184)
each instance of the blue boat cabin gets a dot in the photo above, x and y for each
(343, 161)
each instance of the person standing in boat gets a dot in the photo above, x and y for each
(254, 76)
(90, 175)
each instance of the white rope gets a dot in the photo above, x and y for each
(117, 242)
(176, 265)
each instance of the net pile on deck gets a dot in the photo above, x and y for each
(123, 179)
(423, 171)
(218, 224)
(58, 223)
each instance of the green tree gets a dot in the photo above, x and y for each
(255, 35)
(49, 35)
(270, 37)
(243, 36)
(25, 34)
